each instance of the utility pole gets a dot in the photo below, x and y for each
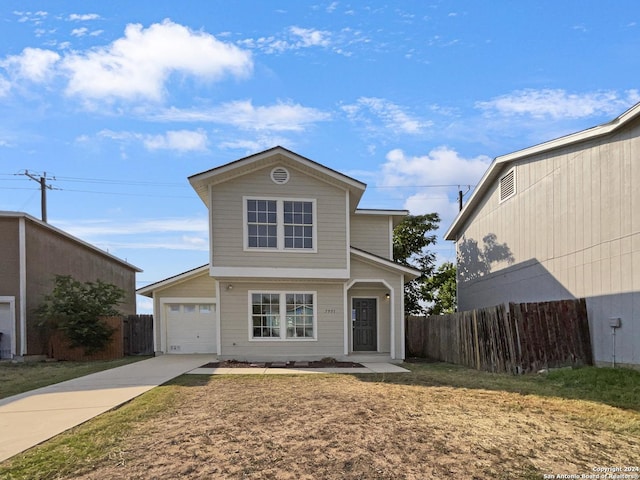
(42, 180)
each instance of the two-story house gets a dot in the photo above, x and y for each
(296, 270)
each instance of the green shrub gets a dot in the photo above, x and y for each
(75, 309)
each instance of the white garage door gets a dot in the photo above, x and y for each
(6, 323)
(191, 328)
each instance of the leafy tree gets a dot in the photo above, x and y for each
(410, 241)
(74, 308)
(439, 290)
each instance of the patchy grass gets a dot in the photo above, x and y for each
(619, 387)
(21, 377)
(440, 421)
(82, 447)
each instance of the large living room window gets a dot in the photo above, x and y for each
(280, 224)
(282, 315)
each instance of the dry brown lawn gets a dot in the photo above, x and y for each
(339, 427)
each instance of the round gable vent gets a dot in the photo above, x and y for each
(280, 175)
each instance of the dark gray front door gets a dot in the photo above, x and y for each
(365, 332)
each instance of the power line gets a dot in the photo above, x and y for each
(420, 186)
(123, 193)
(120, 182)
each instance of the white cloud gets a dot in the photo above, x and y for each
(394, 118)
(425, 202)
(34, 17)
(184, 233)
(308, 37)
(441, 166)
(79, 32)
(243, 114)
(295, 38)
(5, 86)
(139, 64)
(279, 117)
(437, 177)
(34, 64)
(559, 104)
(77, 17)
(180, 140)
(108, 228)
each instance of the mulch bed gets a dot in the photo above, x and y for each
(314, 364)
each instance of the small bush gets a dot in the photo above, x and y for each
(75, 309)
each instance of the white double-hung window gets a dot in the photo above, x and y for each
(280, 224)
(282, 316)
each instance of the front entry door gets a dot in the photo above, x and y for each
(365, 331)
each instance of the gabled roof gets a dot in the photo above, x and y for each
(409, 272)
(503, 162)
(26, 216)
(396, 215)
(201, 181)
(167, 282)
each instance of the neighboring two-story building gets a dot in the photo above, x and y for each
(561, 220)
(32, 253)
(296, 271)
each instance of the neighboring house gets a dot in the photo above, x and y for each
(32, 253)
(561, 220)
(296, 270)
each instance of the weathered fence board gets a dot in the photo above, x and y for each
(133, 335)
(138, 335)
(523, 338)
(59, 345)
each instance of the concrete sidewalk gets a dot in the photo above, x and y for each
(366, 368)
(32, 417)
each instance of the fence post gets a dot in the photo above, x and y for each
(475, 338)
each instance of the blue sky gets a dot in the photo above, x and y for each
(121, 101)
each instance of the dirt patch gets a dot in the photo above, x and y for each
(338, 427)
(292, 364)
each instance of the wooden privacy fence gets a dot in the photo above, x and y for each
(133, 335)
(524, 338)
(138, 335)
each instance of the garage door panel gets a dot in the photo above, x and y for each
(191, 328)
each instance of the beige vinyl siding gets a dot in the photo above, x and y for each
(573, 230)
(367, 272)
(228, 230)
(234, 318)
(10, 258)
(371, 233)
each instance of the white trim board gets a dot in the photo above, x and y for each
(12, 313)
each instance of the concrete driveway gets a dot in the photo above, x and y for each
(32, 417)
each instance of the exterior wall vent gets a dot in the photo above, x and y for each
(508, 185)
(280, 175)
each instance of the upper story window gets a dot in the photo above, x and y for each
(298, 224)
(280, 224)
(262, 224)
